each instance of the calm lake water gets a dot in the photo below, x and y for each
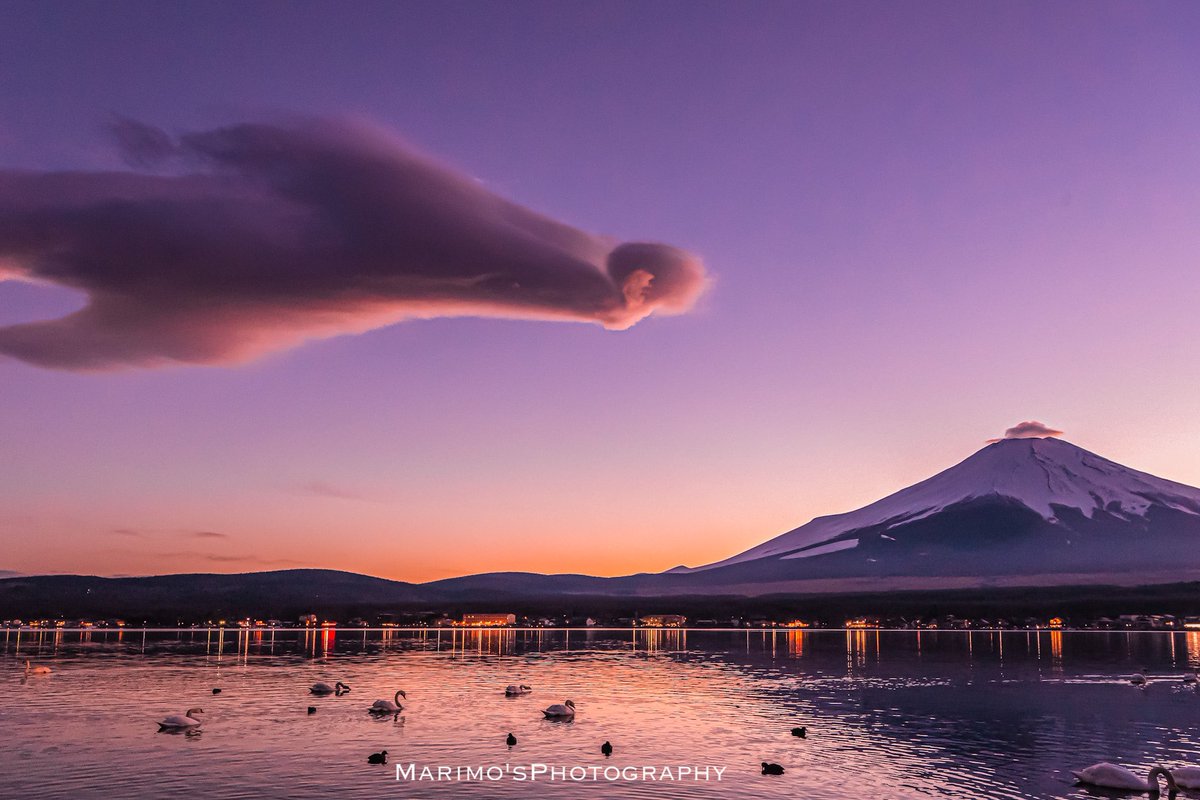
(890, 714)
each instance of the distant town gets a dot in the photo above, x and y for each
(1123, 622)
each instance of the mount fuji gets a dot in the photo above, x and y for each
(1020, 506)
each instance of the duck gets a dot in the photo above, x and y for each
(181, 721)
(1137, 679)
(320, 687)
(389, 706)
(802, 732)
(377, 758)
(564, 710)
(40, 669)
(216, 691)
(312, 709)
(517, 689)
(606, 748)
(1111, 776)
(771, 769)
(511, 740)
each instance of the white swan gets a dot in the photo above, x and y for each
(1110, 776)
(320, 687)
(177, 721)
(1187, 777)
(1137, 679)
(564, 710)
(389, 706)
(38, 670)
(516, 689)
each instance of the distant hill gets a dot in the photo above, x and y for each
(163, 597)
(164, 600)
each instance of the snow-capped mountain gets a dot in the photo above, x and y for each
(1023, 505)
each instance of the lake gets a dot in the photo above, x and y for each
(890, 714)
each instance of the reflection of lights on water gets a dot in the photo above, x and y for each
(856, 646)
(319, 639)
(655, 640)
(479, 641)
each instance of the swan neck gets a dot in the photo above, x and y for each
(1152, 779)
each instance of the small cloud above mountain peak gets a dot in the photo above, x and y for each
(1030, 429)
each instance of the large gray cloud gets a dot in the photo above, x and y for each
(219, 246)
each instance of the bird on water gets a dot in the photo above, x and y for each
(320, 687)
(377, 758)
(183, 721)
(564, 710)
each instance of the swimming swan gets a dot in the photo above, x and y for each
(389, 706)
(320, 687)
(561, 710)
(516, 690)
(1191, 677)
(1137, 679)
(1187, 777)
(38, 670)
(1110, 776)
(179, 721)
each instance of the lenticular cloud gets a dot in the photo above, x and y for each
(1030, 429)
(220, 246)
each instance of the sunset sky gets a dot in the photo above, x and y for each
(895, 230)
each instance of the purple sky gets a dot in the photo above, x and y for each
(924, 223)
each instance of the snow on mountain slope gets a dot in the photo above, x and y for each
(1037, 473)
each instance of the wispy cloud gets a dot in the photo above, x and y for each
(205, 535)
(144, 533)
(323, 489)
(218, 558)
(1030, 429)
(223, 245)
(249, 559)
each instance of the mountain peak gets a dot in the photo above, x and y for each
(1047, 476)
